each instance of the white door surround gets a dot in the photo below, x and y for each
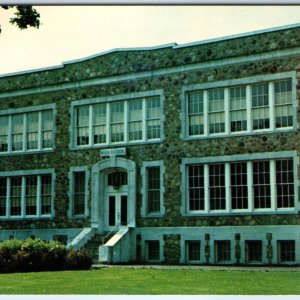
(100, 170)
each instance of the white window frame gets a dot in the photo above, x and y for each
(24, 111)
(249, 158)
(125, 98)
(23, 175)
(71, 192)
(247, 82)
(144, 190)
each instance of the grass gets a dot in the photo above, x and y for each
(125, 281)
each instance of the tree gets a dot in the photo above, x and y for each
(24, 16)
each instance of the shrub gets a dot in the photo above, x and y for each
(38, 255)
(78, 260)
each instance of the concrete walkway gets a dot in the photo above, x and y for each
(205, 268)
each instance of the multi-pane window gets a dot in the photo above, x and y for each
(239, 186)
(260, 106)
(118, 122)
(285, 183)
(79, 193)
(4, 134)
(26, 131)
(15, 196)
(153, 118)
(32, 130)
(99, 124)
(286, 251)
(153, 177)
(237, 109)
(3, 193)
(216, 111)
(152, 188)
(283, 104)
(195, 113)
(196, 187)
(82, 125)
(253, 251)
(135, 117)
(46, 194)
(217, 194)
(222, 251)
(47, 129)
(261, 184)
(192, 251)
(29, 195)
(153, 251)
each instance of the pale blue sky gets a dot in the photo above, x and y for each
(72, 32)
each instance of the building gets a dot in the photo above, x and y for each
(174, 154)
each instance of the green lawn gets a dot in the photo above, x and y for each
(154, 282)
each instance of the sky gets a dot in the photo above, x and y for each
(73, 32)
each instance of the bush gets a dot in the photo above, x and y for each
(37, 255)
(78, 260)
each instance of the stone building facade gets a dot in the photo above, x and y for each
(175, 154)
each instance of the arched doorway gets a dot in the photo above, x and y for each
(113, 194)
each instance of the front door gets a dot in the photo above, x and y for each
(117, 210)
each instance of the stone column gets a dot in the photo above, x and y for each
(172, 248)
(269, 248)
(207, 248)
(237, 248)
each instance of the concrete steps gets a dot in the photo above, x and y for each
(92, 246)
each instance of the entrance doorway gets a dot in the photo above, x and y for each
(117, 210)
(116, 200)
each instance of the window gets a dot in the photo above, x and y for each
(239, 108)
(26, 132)
(217, 195)
(283, 104)
(222, 251)
(195, 113)
(135, 123)
(192, 251)
(216, 111)
(239, 186)
(261, 184)
(78, 192)
(28, 196)
(260, 106)
(152, 189)
(258, 185)
(253, 251)
(118, 122)
(196, 187)
(82, 125)
(286, 251)
(153, 251)
(285, 183)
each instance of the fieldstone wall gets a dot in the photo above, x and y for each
(173, 148)
(172, 248)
